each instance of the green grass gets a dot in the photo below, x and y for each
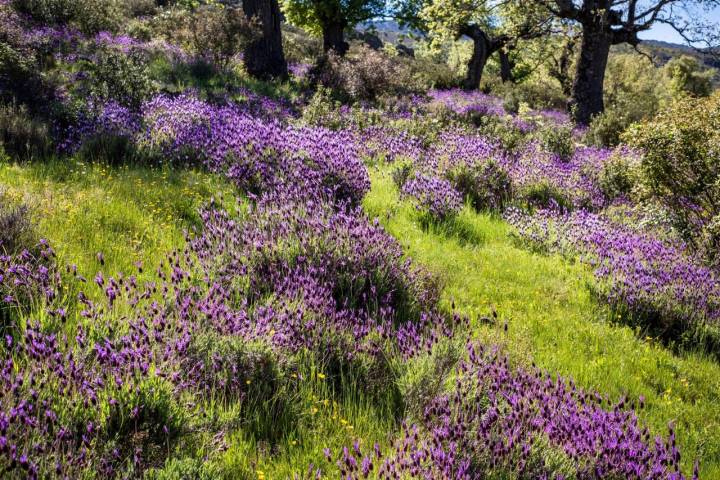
(129, 213)
(133, 213)
(553, 321)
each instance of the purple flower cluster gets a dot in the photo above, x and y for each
(651, 276)
(293, 274)
(525, 424)
(574, 178)
(465, 102)
(433, 196)
(108, 119)
(258, 153)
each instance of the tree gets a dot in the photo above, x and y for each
(492, 27)
(687, 77)
(331, 18)
(610, 22)
(264, 57)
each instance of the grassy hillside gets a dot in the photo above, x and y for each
(553, 321)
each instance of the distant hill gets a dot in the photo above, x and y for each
(663, 52)
(391, 32)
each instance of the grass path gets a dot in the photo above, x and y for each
(553, 321)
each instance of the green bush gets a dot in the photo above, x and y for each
(687, 77)
(544, 195)
(558, 140)
(486, 185)
(681, 162)
(120, 76)
(323, 109)
(619, 176)
(606, 128)
(401, 174)
(49, 12)
(22, 135)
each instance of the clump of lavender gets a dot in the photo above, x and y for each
(659, 282)
(520, 423)
(433, 196)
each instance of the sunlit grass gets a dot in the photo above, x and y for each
(133, 213)
(553, 321)
(129, 213)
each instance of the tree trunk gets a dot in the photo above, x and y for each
(481, 51)
(264, 58)
(587, 89)
(506, 66)
(334, 37)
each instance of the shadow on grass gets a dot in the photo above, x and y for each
(458, 227)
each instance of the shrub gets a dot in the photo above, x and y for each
(686, 77)
(16, 229)
(511, 102)
(618, 176)
(558, 140)
(120, 76)
(401, 174)
(680, 166)
(606, 128)
(544, 195)
(48, 12)
(90, 16)
(221, 32)
(322, 109)
(22, 135)
(362, 75)
(486, 185)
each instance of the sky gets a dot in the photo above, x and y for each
(667, 34)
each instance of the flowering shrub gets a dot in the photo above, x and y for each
(433, 196)
(680, 164)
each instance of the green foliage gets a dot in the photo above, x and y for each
(543, 195)
(687, 77)
(485, 184)
(314, 15)
(619, 176)
(558, 140)
(680, 165)
(120, 76)
(401, 173)
(323, 109)
(606, 128)
(50, 12)
(23, 136)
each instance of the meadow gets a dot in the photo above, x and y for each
(344, 265)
